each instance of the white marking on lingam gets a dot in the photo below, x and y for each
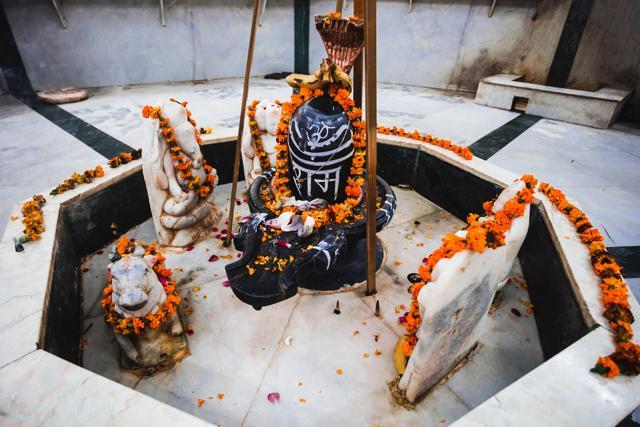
(320, 177)
(343, 132)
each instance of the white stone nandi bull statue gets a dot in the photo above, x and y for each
(137, 292)
(181, 217)
(267, 117)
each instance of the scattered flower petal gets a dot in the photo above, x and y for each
(213, 258)
(274, 397)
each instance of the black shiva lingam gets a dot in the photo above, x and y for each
(308, 228)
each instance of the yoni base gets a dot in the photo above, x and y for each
(350, 268)
(323, 270)
(162, 365)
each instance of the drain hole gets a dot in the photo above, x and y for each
(519, 104)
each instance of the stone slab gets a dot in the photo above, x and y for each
(597, 109)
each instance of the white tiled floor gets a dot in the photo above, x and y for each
(240, 352)
(598, 168)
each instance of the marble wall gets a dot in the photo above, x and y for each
(111, 43)
(453, 44)
(448, 44)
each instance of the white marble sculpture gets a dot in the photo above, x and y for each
(136, 293)
(267, 118)
(180, 216)
(455, 303)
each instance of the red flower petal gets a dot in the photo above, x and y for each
(213, 258)
(283, 244)
(274, 398)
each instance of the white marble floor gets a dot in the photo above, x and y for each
(239, 355)
(598, 168)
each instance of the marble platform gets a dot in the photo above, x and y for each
(598, 109)
(546, 391)
(242, 353)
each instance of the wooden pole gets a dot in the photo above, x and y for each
(371, 111)
(358, 10)
(339, 6)
(243, 106)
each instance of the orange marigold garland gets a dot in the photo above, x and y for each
(182, 162)
(76, 178)
(32, 210)
(480, 235)
(33, 219)
(463, 152)
(124, 158)
(138, 325)
(256, 134)
(337, 212)
(614, 292)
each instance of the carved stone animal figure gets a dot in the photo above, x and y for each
(455, 303)
(138, 292)
(267, 118)
(180, 216)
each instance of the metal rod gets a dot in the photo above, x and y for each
(245, 92)
(163, 21)
(60, 12)
(339, 6)
(371, 111)
(493, 6)
(263, 6)
(358, 10)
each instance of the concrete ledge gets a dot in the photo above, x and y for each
(39, 387)
(597, 109)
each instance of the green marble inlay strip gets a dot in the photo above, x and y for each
(101, 142)
(495, 141)
(629, 258)
(19, 86)
(301, 36)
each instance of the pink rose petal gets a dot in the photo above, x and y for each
(163, 280)
(214, 229)
(274, 398)
(188, 248)
(283, 244)
(402, 319)
(213, 258)
(226, 284)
